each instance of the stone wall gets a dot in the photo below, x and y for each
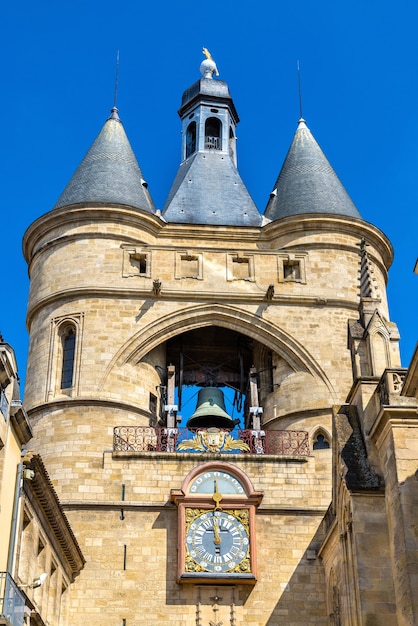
(131, 545)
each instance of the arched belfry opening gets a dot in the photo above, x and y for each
(191, 139)
(213, 133)
(212, 373)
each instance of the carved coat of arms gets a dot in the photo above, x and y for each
(213, 440)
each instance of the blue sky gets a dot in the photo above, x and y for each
(358, 63)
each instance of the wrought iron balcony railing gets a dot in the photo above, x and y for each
(12, 601)
(148, 439)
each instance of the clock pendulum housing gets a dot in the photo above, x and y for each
(216, 509)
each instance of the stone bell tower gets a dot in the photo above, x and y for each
(133, 310)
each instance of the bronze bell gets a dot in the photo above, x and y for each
(210, 411)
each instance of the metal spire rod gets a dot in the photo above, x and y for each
(116, 80)
(300, 93)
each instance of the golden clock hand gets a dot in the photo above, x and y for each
(216, 537)
(216, 497)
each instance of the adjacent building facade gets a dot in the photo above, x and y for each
(39, 555)
(293, 503)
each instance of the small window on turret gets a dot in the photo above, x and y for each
(190, 139)
(213, 134)
(68, 351)
(64, 355)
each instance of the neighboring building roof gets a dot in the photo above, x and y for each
(109, 173)
(209, 190)
(307, 183)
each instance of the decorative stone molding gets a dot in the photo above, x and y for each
(291, 267)
(136, 262)
(189, 264)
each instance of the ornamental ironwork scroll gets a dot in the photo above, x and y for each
(293, 443)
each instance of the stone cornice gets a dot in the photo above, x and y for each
(63, 403)
(153, 225)
(93, 505)
(390, 417)
(330, 224)
(357, 385)
(87, 213)
(41, 493)
(39, 232)
(21, 425)
(200, 232)
(183, 295)
(210, 456)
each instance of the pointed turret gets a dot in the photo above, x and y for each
(307, 182)
(208, 188)
(109, 173)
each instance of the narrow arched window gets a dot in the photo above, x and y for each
(320, 442)
(190, 139)
(68, 352)
(213, 133)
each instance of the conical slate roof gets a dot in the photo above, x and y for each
(209, 190)
(109, 173)
(307, 183)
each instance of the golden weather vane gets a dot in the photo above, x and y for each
(209, 58)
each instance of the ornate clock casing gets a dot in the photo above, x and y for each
(218, 541)
(216, 505)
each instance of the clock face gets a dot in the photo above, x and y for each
(217, 541)
(211, 480)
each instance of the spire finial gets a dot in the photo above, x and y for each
(300, 94)
(116, 81)
(208, 66)
(114, 110)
